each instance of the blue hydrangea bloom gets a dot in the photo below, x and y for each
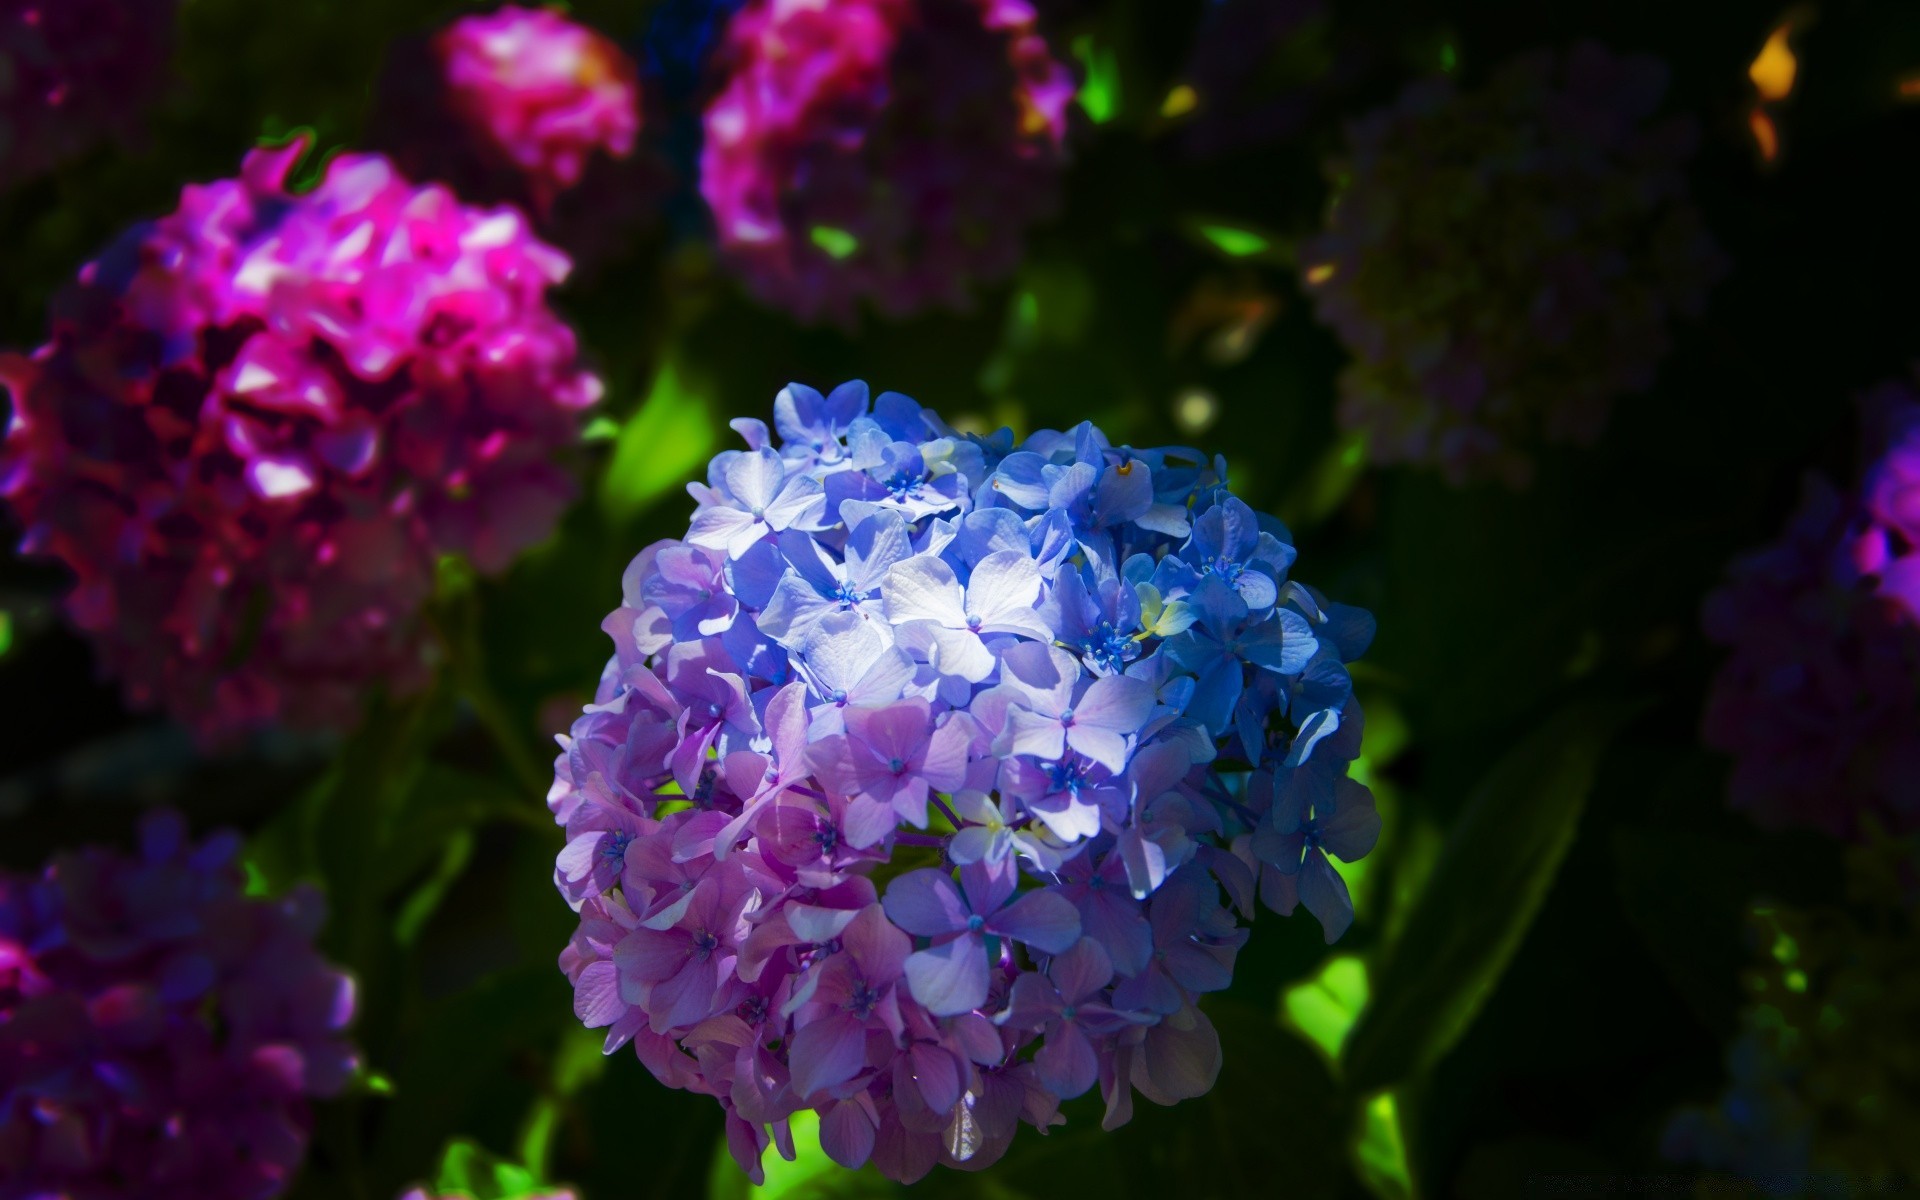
(1078, 677)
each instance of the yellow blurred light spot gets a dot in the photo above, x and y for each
(1796, 981)
(1195, 410)
(1765, 137)
(1773, 70)
(1319, 273)
(1180, 101)
(6, 631)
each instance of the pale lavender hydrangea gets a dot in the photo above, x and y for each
(933, 777)
(161, 1033)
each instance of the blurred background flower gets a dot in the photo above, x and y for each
(882, 152)
(160, 1031)
(262, 419)
(1503, 262)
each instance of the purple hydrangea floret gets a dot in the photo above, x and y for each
(1502, 263)
(73, 72)
(891, 152)
(1819, 699)
(161, 1033)
(261, 420)
(933, 778)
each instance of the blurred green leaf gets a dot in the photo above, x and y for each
(1099, 94)
(663, 445)
(1380, 1152)
(6, 631)
(1233, 241)
(1317, 495)
(837, 243)
(1325, 1007)
(810, 1176)
(1495, 871)
(420, 906)
(472, 1170)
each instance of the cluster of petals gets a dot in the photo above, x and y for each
(73, 72)
(891, 152)
(1503, 263)
(161, 1033)
(1818, 701)
(934, 775)
(541, 92)
(261, 420)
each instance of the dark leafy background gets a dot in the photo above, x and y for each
(1552, 926)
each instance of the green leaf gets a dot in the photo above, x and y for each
(659, 448)
(1380, 1152)
(1495, 871)
(1233, 241)
(837, 243)
(471, 1170)
(810, 1176)
(1099, 95)
(1325, 1007)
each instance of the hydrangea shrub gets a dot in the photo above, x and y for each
(73, 72)
(540, 92)
(1502, 263)
(886, 152)
(1818, 701)
(934, 776)
(260, 420)
(161, 1033)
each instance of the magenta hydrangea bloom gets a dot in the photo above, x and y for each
(890, 152)
(1073, 680)
(261, 419)
(1819, 700)
(161, 1033)
(73, 72)
(1503, 263)
(541, 92)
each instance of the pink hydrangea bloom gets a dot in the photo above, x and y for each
(158, 1026)
(260, 420)
(1819, 700)
(542, 92)
(73, 72)
(885, 151)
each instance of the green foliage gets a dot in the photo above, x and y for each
(661, 446)
(1499, 862)
(1325, 1007)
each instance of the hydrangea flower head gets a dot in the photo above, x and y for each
(1819, 699)
(881, 151)
(1502, 263)
(161, 1033)
(542, 92)
(73, 72)
(1833, 992)
(261, 419)
(933, 777)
